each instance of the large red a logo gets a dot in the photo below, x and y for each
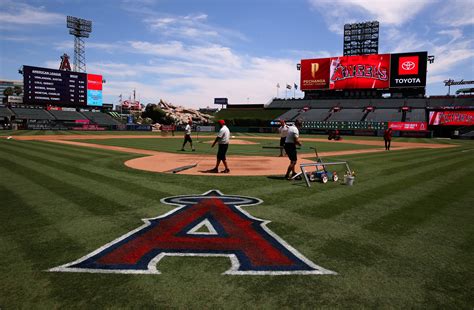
(211, 224)
(65, 65)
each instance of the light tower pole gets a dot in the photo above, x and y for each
(79, 28)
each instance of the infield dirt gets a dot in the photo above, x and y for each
(239, 165)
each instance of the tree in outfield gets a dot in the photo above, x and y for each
(18, 90)
(8, 91)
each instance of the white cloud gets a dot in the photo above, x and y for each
(27, 39)
(451, 55)
(388, 12)
(214, 54)
(189, 26)
(140, 2)
(198, 86)
(455, 34)
(456, 13)
(18, 14)
(69, 45)
(192, 75)
(194, 27)
(399, 41)
(306, 54)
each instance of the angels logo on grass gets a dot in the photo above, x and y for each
(211, 224)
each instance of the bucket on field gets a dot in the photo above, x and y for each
(349, 180)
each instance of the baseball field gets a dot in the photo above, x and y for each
(401, 237)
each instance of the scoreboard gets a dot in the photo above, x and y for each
(43, 86)
(374, 71)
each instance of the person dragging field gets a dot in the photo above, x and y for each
(291, 141)
(187, 135)
(387, 137)
(223, 141)
(283, 130)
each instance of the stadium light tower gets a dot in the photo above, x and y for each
(79, 28)
(361, 38)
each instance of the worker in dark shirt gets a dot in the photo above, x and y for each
(387, 137)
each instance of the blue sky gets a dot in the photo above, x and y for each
(188, 52)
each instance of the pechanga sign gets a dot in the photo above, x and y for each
(315, 73)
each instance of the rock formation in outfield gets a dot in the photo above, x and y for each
(181, 115)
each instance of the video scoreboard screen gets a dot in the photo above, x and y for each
(44, 86)
(375, 71)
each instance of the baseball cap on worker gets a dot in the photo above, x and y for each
(221, 122)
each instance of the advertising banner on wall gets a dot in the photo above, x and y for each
(15, 99)
(452, 118)
(360, 72)
(408, 126)
(408, 69)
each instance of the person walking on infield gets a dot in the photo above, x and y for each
(283, 130)
(223, 140)
(387, 137)
(291, 141)
(187, 135)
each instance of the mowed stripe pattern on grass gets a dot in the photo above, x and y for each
(401, 237)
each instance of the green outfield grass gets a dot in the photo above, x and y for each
(179, 134)
(401, 237)
(74, 132)
(203, 146)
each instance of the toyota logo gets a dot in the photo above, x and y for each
(408, 65)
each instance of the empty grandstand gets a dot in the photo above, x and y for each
(347, 115)
(371, 116)
(384, 115)
(435, 101)
(313, 115)
(67, 115)
(290, 115)
(416, 115)
(55, 119)
(32, 114)
(99, 118)
(5, 112)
